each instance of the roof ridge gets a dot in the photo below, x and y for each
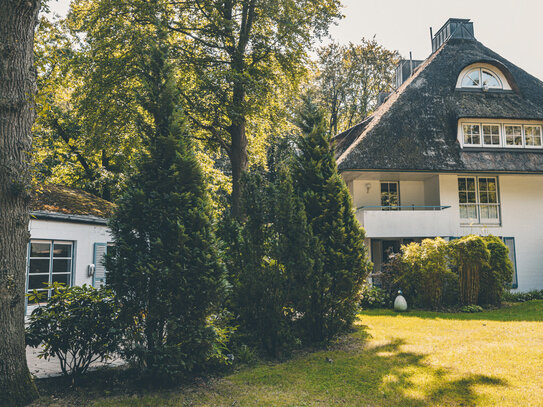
(381, 110)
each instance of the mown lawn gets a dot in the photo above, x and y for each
(419, 358)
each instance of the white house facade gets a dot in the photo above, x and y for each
(68, 239)
(456, 149)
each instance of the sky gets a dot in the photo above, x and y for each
(513, 29)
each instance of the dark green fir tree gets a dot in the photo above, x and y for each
(164, 267)
(340, 258)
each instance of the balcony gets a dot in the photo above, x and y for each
(405, 221)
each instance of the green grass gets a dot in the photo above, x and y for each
(419, 358)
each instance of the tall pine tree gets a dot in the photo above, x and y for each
(164, 268)
(340, 258)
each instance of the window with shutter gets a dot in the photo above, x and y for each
(99, 278)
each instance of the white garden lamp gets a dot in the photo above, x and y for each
(400, 304)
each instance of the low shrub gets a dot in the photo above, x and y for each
(374, 297)
(78, 325)
(471, 308)
(523, 296)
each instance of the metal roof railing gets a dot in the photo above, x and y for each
(403, 208)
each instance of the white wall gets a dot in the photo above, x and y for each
(521, 198)
(83, 235)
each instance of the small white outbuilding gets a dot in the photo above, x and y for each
(68, 238)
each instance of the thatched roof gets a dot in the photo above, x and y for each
(416, 128)
(57, 199)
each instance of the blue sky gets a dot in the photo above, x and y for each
(514, 29)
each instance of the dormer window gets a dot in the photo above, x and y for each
(482, 76)
(495, 133)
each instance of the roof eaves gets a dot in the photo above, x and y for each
(63, 217)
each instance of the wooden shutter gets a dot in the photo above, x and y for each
(99, 278)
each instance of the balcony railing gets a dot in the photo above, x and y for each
(403, 208)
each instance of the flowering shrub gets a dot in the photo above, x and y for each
(373, 297)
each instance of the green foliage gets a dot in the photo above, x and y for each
(373, 297)
(434, 273)
(429, 261)
(329, 303)
(496, 277)
(78, 325)
(471, 308)
(272, 261)
(164, 267)
(470, 255)
(349, 79)
(510, 296)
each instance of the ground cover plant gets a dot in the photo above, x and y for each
(420, 358)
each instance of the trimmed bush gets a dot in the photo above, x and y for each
(471, 256)
(496, 276)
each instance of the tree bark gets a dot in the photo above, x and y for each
(17, 88)
(240, 163)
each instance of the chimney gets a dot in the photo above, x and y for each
(405, 69)
(453, 28)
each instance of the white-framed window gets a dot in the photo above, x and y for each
(390, 195)
(491, 135)
(472, 134)
(532, 136)
(487, 133)
(478, 198)
(481, 77)
(513, 135)
(49, 261)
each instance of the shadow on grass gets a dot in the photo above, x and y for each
(352, 372)
(365, 375)
(530, 311)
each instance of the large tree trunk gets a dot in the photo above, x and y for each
(17, 87)
(239, 161)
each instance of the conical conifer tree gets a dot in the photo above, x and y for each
(340, 258)
(164, 268)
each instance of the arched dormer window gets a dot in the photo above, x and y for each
(482, 76)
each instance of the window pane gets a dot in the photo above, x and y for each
(468, 211)
(471, 197)
(471, 79)
(392, 187)
(62, 250)
(513, 135)
(462, 197)
(532, 135)
(471, 184)
(489, 212)
(36, 282)
(492, 197)
(472, 134)
(39, 266)
(62, 278)
(40, 249)
(62, 265)
(461, 184)
(490, 81)
(491, 134)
